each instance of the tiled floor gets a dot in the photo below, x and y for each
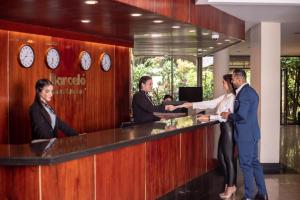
(285, 186)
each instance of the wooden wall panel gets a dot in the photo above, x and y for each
(212, 145)
(147, 5)
(193, 155)
(19, 183)
(121, 174)
(163, 166)
(4, 131)
(181, 10)
(211, 18)
(122, 80)
(75, 180)
(97, 108)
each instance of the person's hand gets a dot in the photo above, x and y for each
(170, 107)
(225, 115)
(203, 118)
(187, 105)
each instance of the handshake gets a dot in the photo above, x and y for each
(172, 108)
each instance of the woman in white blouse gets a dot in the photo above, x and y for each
(226, 144)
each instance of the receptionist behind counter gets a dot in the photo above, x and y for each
(44, 121)
(142, 105)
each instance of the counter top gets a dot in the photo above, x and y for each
(69, 148)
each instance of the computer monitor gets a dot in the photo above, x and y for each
(191, 94)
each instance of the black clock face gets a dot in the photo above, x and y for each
(26, 56)
(105, 62)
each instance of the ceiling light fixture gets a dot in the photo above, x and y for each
(219, 43)
(155, 35)
(136, 14)
(91, 2)
(175, 27)
(192, 31)
(227, 40)
(158, 21)
(205, 33)
(85, 21)
(211, 47)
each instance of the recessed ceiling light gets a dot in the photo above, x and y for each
(204, 50)
(175, 27)
(85, 21)
(219, 43)
(155, 35)
(211, 47)
(91, 2)
(205, 33)
(227, 40)
(158, 21)
(136, 14)
(199, 49)
(192, 31)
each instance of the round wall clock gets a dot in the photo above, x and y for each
(52, 58)
(105, 62)
(26, 56)
(85, 60)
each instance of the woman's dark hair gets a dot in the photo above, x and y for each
(167, 96)
(228, 79)
(143, 79)
(39, 85)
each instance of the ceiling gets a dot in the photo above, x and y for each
(286, 12)
(113, 20)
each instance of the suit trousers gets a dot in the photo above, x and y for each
(251, 168)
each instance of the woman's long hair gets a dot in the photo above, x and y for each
(39, 85)
(228, 79)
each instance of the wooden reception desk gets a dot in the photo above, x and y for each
(140, 162)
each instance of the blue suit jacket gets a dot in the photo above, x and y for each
(245, 115)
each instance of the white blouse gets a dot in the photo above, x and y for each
(222, 103)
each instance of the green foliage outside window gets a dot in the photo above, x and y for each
(291, 67)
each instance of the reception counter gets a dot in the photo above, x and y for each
(139, 162)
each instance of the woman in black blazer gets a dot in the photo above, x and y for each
(44, 121)
(142, 105)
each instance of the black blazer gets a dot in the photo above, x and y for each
(143, 108)
(41, 124)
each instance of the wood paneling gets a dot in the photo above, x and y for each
(193, 155)
(212, 145)
(122, 80)
(162, 166)
(181, 9)
(4, 136)
(120, 174)
(19, 183)
(105, 99)
(211, 18)
(69, 180)
(147, 5)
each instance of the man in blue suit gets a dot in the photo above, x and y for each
(247, 135)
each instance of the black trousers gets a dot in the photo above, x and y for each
(226, 153)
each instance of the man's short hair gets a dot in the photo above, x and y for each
(240, 72)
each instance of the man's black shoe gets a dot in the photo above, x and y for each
(261, 197)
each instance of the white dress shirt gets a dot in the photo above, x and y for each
(223, 103)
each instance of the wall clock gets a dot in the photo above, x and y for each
(105, 62)
(26, 56)
(52, 58)
(85, 60)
